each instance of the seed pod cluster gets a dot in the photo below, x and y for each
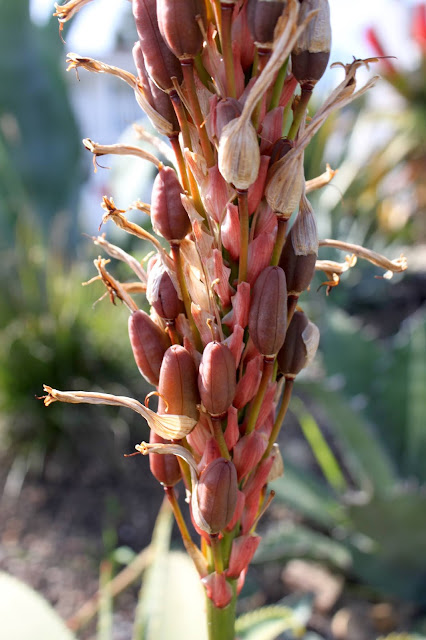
(223, 284)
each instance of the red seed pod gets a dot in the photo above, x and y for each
(157, 98)
(168, 214)
(268, 311)
(299, 347)
(262, 19)
(179, 27)
(149, 343)
(299, 269)
(217, 492)
(164, 467)
(217, 378)
(311, 53)
(177, 384)
(166, 301)
(160, 62)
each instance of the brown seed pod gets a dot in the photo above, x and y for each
(226, 110)
(262, 19)
(165, 468)
(149, 343)
(268, 311)
(311, 53)
(217, 492)
(177, 384)
(168, 214)
(299, 269)
(177, 21)
(299, 347)
(157, 98)
(160, 62)
(163, 296)
(217, 378)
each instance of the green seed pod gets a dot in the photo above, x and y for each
(168, 214)
(179, 27)
(217, 378)
(268, 311)
(165, 468)
(216, 498)
(177, 384)
(149, 343)
(311, 53)
(299, 347)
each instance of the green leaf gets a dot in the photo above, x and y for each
(171, 603)
(267, 623)
(286, 540)
(363, 452)
(415, 452)
(26, 614)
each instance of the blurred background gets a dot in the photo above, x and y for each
(350, 512)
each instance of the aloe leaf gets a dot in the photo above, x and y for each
(301, 491)
(393, 557)
(365, 457)
(415, 452)
(286, 540)
(322, 452)
(26, 614)
(267, 623)
(171, 602)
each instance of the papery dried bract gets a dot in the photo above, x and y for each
(285, 183)
(239, 155)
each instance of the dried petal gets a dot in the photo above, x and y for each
(239, 155)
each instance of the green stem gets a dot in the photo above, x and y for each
(191, 91)
(288, 388)
(219, 437)
(305, 96)
(279, 241)
(193, 551)
(278, 86)
(226, 41)
(217, 552)
(221, 622)
(268, 366)
(244, 234)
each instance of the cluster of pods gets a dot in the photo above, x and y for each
(228, 83)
